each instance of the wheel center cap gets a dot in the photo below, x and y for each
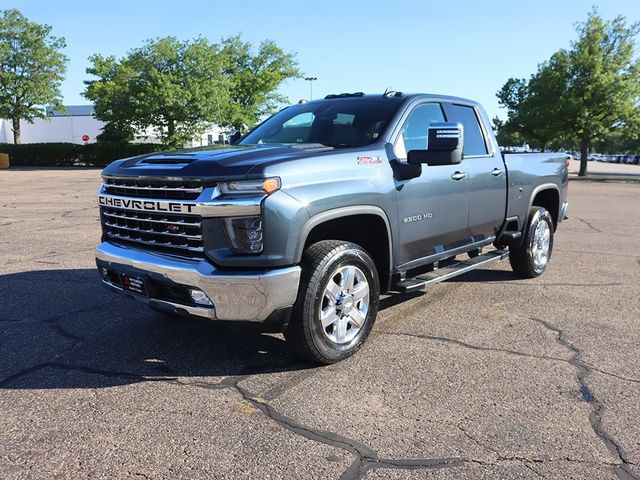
(346, 304)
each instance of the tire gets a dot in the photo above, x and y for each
(531, 258)
(333, 271)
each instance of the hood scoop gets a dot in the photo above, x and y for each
(316, 147)
(154, 161)
(168, 161)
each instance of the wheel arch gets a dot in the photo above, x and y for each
(547, 196)
(363, 225)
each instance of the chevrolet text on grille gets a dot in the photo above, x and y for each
(148, 205)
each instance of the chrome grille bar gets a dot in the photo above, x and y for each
(160, 188)
(154, 232)
(151, 219)
(157, 244)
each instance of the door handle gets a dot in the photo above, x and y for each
(496, 172)
(458, 176)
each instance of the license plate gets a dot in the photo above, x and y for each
(134, 284)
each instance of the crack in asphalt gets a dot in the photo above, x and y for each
(361, 467)
(366, 457)
(51, 322)
(593, 252)
(525, 460)
(284, 386)
(61, 316)
(562, 284)
(595, 229)
(504, 350)
(622, 470)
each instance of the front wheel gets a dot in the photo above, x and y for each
(337, 302)
(531, 258)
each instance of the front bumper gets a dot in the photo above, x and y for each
(236, 296)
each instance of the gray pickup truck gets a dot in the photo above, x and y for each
(300, 225)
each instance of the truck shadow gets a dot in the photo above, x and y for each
(62, 329)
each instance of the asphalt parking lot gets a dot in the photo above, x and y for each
(488, 376)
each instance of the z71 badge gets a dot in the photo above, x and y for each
(369, 160)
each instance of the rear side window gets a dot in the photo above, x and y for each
(473, 139)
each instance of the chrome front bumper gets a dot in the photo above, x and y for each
(236, 296)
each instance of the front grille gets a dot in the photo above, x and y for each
(171, 233)
(153, 188)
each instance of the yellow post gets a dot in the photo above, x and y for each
(4, 160)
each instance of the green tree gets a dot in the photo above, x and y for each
(175, 88)
(255, 79)
(604, 81)
(506, 135)
(180, 88)
(582, 95)
(533, 111)
(31, 69)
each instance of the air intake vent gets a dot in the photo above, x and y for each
(168, 161)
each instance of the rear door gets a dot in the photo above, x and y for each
(487, 177)
(433, 208)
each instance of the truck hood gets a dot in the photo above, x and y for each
(212, 162)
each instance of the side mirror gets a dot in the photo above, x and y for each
(234, 137)
(444, 145)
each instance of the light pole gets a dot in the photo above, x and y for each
(310, 80)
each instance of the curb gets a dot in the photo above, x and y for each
(606, 178)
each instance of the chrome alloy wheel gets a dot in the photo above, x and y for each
(540, 245)
(345, 304)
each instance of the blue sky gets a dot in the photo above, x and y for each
(466, 48)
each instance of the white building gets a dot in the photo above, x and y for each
(76, 124)
(68, 126)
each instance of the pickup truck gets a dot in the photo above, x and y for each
(301, 225)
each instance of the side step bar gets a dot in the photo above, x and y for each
(458, 268)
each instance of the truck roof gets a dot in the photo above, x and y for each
(393, 96)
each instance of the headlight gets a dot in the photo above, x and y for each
(247, 187)
(244, 234)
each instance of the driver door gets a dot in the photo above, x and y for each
(433, 208)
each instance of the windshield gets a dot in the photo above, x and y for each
(340, 123)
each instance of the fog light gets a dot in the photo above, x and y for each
(199, 297)
(244, 234)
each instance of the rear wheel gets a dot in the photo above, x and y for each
(337, 302)
(531, 258)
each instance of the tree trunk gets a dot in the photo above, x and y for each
(16, 130)
(584, 154)
(171, 131)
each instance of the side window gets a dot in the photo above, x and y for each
(473, 139)
(413, 135)
(302, 120)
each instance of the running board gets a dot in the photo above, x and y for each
(457, 268)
